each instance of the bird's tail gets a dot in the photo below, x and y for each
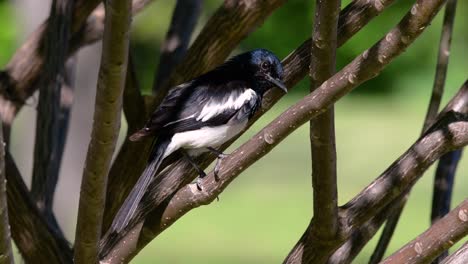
(126, 217)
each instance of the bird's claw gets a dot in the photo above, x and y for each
(218, 165)
(199, 181)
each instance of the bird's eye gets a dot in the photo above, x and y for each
(265, 65)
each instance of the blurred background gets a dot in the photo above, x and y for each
(264, 212)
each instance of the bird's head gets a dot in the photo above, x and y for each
(266, 69)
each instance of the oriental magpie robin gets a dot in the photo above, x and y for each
(201, 115)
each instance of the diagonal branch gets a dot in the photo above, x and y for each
(106, 127)
(360, 237)
(438, 238)
(177, 40)
(437, 91)
(37, 241)
(352, 18)
(223, 32)
(322, 128)
(6, 254)
(47, 148)
(18, 79)
(458, 257)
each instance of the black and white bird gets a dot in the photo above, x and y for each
(202, 114)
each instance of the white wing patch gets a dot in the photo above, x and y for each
(177, 121)
(233, 102)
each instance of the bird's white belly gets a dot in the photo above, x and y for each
(204, 137)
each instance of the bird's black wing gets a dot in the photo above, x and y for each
(195, 105)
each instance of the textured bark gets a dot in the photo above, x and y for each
(228, 26)
(37, 241)
(105, 131)
(431, 115)
(177, 40)
(296, 65)
(6, 254)
(322, 128)
(359, 238)
(458, 257)
(47, 148)
(439, 237)
(18, 78)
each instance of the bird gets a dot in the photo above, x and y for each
(199, 116)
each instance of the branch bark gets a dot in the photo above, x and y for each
(431, 115)
(458, 257)
(359, 238)
(106, 128)
(6, 254)
(37, 241)
(296, 65)
(228, 26)
(18, 79)
(47, 149)
(177, 40)
(439, 237)
(322, 128)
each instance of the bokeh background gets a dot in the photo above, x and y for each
(264, 212)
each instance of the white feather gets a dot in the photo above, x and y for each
(233, 102)
(204, 137)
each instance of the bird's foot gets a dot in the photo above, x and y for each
(220, 155)
(199, 180)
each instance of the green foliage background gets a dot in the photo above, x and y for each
(263, 213)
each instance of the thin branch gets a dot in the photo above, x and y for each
(387, 233)
(442, 63)
(18, 79)
(133, 102)
(446, 169)
(6, 254)
(437, 92)
(322, 128)
(47, 148)
(296, 65)
(37, 241)
(223, 32)
(177, 40)
(359, 238)
(106, 127)
(458, 257)
(439, 237)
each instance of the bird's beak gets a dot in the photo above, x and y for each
(277, 83)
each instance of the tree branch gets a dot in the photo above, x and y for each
(18, 79)
(322, 128)
(359, 238)
(37, 241)
(175, 45)
(437, 91)
(47, 148)
(106, 127)
(352, 19)
(459, 257)
(442, 63)
(439, 237)
(228, 26)
(6, 254)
